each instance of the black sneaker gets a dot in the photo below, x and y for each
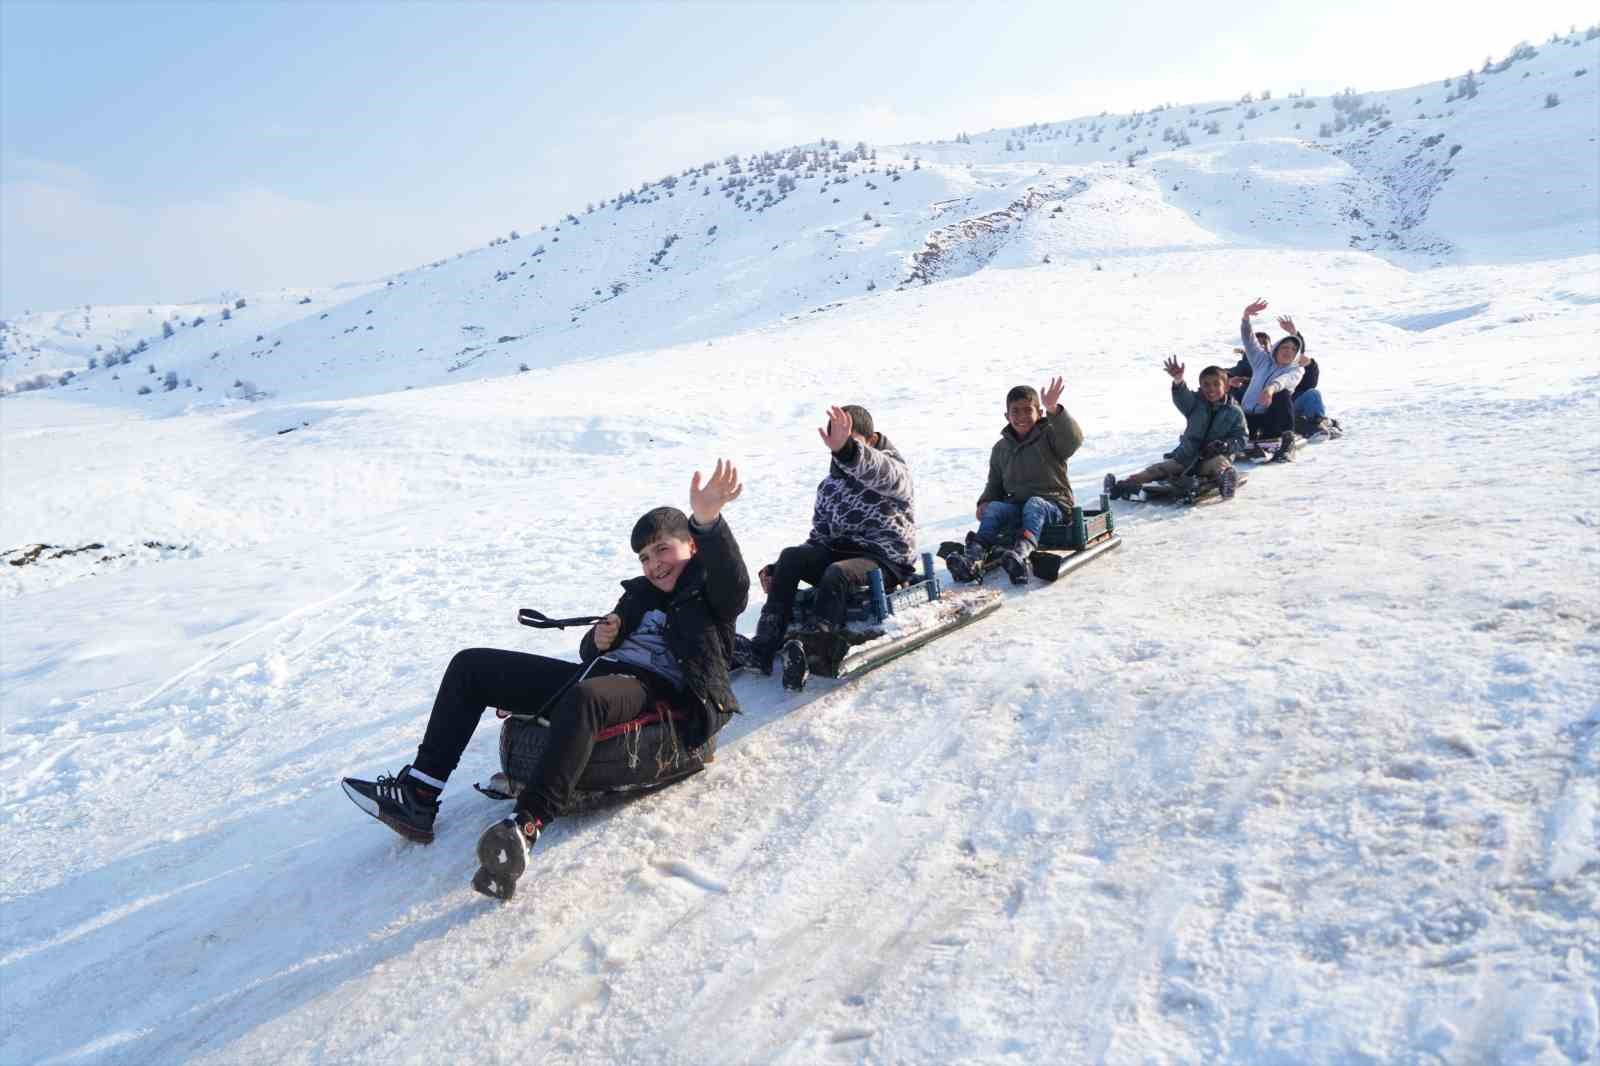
(397, 803)
(1228, 483)
(503, 851)
(796, 665)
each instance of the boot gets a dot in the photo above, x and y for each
(503, 852)
(768, 639)
(967, 564)
(1228, 482)
(401, 802)
(1015, 561)
(796, 665)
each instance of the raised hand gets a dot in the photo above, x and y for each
(837, 431)
(605, 632)
(1286, 324)
(1173, 367)
(720, 489)
(1256, 308)
(1051, 395)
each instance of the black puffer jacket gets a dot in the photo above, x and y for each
(701, 609)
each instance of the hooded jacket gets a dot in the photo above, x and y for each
(1223, 420)
(1035, 464)
(1264, 370)
(711, 593)
(865, 506)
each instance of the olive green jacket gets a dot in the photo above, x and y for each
(1034, 465)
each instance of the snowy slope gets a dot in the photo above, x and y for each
(1310, 777)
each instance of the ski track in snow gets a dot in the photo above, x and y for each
(1312, 776)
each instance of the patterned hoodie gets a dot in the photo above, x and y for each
(865, 506)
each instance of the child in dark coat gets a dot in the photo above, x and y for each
(670, 637)
(1215, 430)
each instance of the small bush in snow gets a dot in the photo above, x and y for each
(226, 314)
(871, 285)
(305, 299)
(238, 305)
(166, 329)
(145, 390)
(522, 368)
(199, 320)
(170, 382)
(94, 364)
(1551, 99)
(150, 369)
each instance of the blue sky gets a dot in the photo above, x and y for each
(162, 152)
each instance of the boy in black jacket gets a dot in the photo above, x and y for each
(669, 637)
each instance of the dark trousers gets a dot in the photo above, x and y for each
(522, 684)
(1272, 422)
(833, 573)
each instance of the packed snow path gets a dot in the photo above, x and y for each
(1312, 776)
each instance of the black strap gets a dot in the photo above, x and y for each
(539, 620)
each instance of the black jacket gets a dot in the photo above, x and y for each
(701, 610)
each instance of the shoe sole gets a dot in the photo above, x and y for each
(502, 861)
(796, 670)
(371, 806)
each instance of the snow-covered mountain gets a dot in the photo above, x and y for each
(1419, 176)
(1312, 776)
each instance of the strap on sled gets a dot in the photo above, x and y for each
(539, 620)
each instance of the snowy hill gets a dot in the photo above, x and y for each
(1312, 776)
(1419, 176)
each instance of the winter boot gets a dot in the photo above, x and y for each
(503, 851)
(401, 802)
(768, 639)
(1120, 490)
(1015, 561)
(796, 665)
(1227, 482)
(967, 564)
(1285, 451)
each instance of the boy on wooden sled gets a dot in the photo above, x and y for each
(1027, 487)
(864, 519)
(1215, 430)
(669, 638)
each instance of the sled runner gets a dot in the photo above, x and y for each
(1190, 490)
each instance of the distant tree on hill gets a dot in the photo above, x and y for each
(166, 329)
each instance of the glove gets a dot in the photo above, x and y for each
(1214, 448)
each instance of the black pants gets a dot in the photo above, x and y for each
(1272, 422)
(515, 681)
(834, 574)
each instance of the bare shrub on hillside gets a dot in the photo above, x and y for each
(1551, 99)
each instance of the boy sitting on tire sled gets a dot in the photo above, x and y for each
(670, 637)
(1214, 432)
(864, 519)
(1027, 487)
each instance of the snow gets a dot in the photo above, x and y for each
(1311, 776)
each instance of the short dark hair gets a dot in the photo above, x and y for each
(860, 419)
(661, 523)
(1215, 372)
(1023, 392)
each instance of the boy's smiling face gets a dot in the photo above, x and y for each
(1023, 415)
(663, 560)
(1286, 352)
(1212, 386)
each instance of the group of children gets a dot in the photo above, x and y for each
(671, 636)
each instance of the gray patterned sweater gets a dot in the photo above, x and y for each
(865, 506)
